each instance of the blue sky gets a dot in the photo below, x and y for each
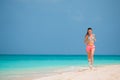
(58, 26)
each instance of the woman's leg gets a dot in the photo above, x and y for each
(92, 55)
(89, 54)
(88, 50)
(89, 59)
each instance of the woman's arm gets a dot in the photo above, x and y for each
(94, 37)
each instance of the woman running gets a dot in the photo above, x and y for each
(90, 47)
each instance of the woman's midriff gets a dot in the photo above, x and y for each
(90, 43)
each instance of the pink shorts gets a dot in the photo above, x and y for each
(89, 47)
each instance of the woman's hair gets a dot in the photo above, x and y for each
(87, 31)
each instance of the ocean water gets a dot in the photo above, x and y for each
(21, 62)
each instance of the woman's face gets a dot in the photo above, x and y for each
(89, 32)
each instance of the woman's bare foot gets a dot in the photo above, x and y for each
(90, 67)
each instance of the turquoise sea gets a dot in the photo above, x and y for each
(21, 62)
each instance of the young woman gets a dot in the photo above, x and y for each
(90, 47)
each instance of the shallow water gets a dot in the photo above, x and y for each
(21, 62)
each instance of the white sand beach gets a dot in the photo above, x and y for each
(110, 72)
(103, 72)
